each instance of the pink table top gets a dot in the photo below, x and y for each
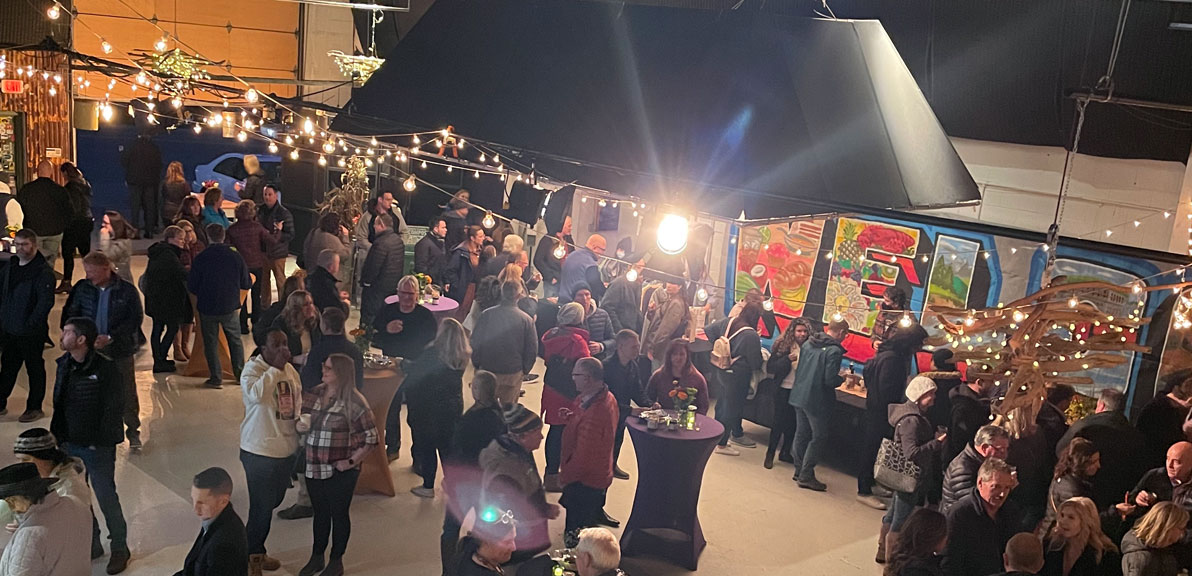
(444, 304)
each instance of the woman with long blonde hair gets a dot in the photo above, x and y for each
(1076, 546)
(1149, 549)
(340, 432)
(434, 392)
(299, 319)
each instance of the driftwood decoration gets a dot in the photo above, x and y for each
(1045, 339)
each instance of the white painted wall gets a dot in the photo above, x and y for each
(1019, 186)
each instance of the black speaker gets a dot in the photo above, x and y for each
(556, 206)
(303, 184)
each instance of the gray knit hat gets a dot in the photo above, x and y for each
(521, 420)
(34, 441)
(571, 314)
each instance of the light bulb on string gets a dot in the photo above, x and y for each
(322, 160)
(476, 174)
(459, 143)
(410, 183)
(672, 234)
(424, 164)
(106, 112)
(53, 12)
(417, 141)
(449, 169)
(482, 157)
(631, 275)
(560, 251)
(176, 101)
(273, 148)
(242, 136)
(341, 163)
(106, 47)
(1072, 302)
(294, 154)
(198, 128)
(251, 95)
(161, 44)
(767, 304)
(328, 147)
(308, 126)
(906, 321)
(488, 222)
(53, 91)
(289, 140)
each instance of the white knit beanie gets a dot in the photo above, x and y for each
(919, 386)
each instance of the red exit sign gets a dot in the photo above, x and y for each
(12, 86)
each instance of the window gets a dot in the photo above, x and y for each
(233, 167)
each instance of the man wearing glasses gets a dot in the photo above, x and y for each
(587, 455)
(404, 329)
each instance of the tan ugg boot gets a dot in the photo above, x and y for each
(254, 564)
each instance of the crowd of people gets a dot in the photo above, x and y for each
(1101, 496)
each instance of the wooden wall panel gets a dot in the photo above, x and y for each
(47, 118)
(262, 42)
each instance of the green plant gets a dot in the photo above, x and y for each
(348, 199)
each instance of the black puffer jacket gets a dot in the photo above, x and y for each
(88, 402)
(886, 374)
(433, 391)
(124, 314)
(969, 413)
(385, 262)
(26, 297)
(960, 476)
(940, 413)
(166, 299)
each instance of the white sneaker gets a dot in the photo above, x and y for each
(881, 491)
(871, 501)
(423, 492)
(727, 450)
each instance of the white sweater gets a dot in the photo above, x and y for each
(265, 431)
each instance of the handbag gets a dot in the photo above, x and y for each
(893, 469)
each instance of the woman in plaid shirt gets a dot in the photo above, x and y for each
(339, 431)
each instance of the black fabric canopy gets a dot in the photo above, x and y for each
(719, 111)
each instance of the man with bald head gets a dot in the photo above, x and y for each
(1169, 483)
(46, 206)
(583, 267)
(1024, 555)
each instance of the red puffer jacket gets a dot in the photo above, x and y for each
(588, 442)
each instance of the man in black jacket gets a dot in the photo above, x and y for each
(1123, 448)
(1166, 484)
(970, 411)
(142, 173)
(222, 546)
(885, 379)
(115, 306)
(321, 284)
(382, 268)
(88, 403)
(47, 211)
(991, 441)
(279, 222)
(980, 525)
(626, 378)
(430, 253)
(166, 300)
(26, 296)
(217, 277)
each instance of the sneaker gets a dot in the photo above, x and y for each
(744, 441)
(134, 441)
(423, 492)
(31, 416)
(213, 384)
(119, 561)
(871, 501)
(529, 377)
(881, 491)
(550, 483)
(813, 484)
(727, 450)
(296, 512)
(620, 474)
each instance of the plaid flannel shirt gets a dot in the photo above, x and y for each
(335, 434)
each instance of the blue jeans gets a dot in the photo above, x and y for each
(811, 431)
(101, 474)
(735, 388)
(209, 327)
(900, 508)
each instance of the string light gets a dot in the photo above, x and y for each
(410, 183)
(273, 148)
(906, 321)
(53, 12)
(251, 95)
(560, 251)
(198, 128)
(488, 222)
(631, 275)
(242, 136)
(322, 160)
(294, 154)
(161, 44)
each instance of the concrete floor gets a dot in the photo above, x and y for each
(756, 521)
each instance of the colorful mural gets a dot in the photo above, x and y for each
(818, 268)
(778, 259)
